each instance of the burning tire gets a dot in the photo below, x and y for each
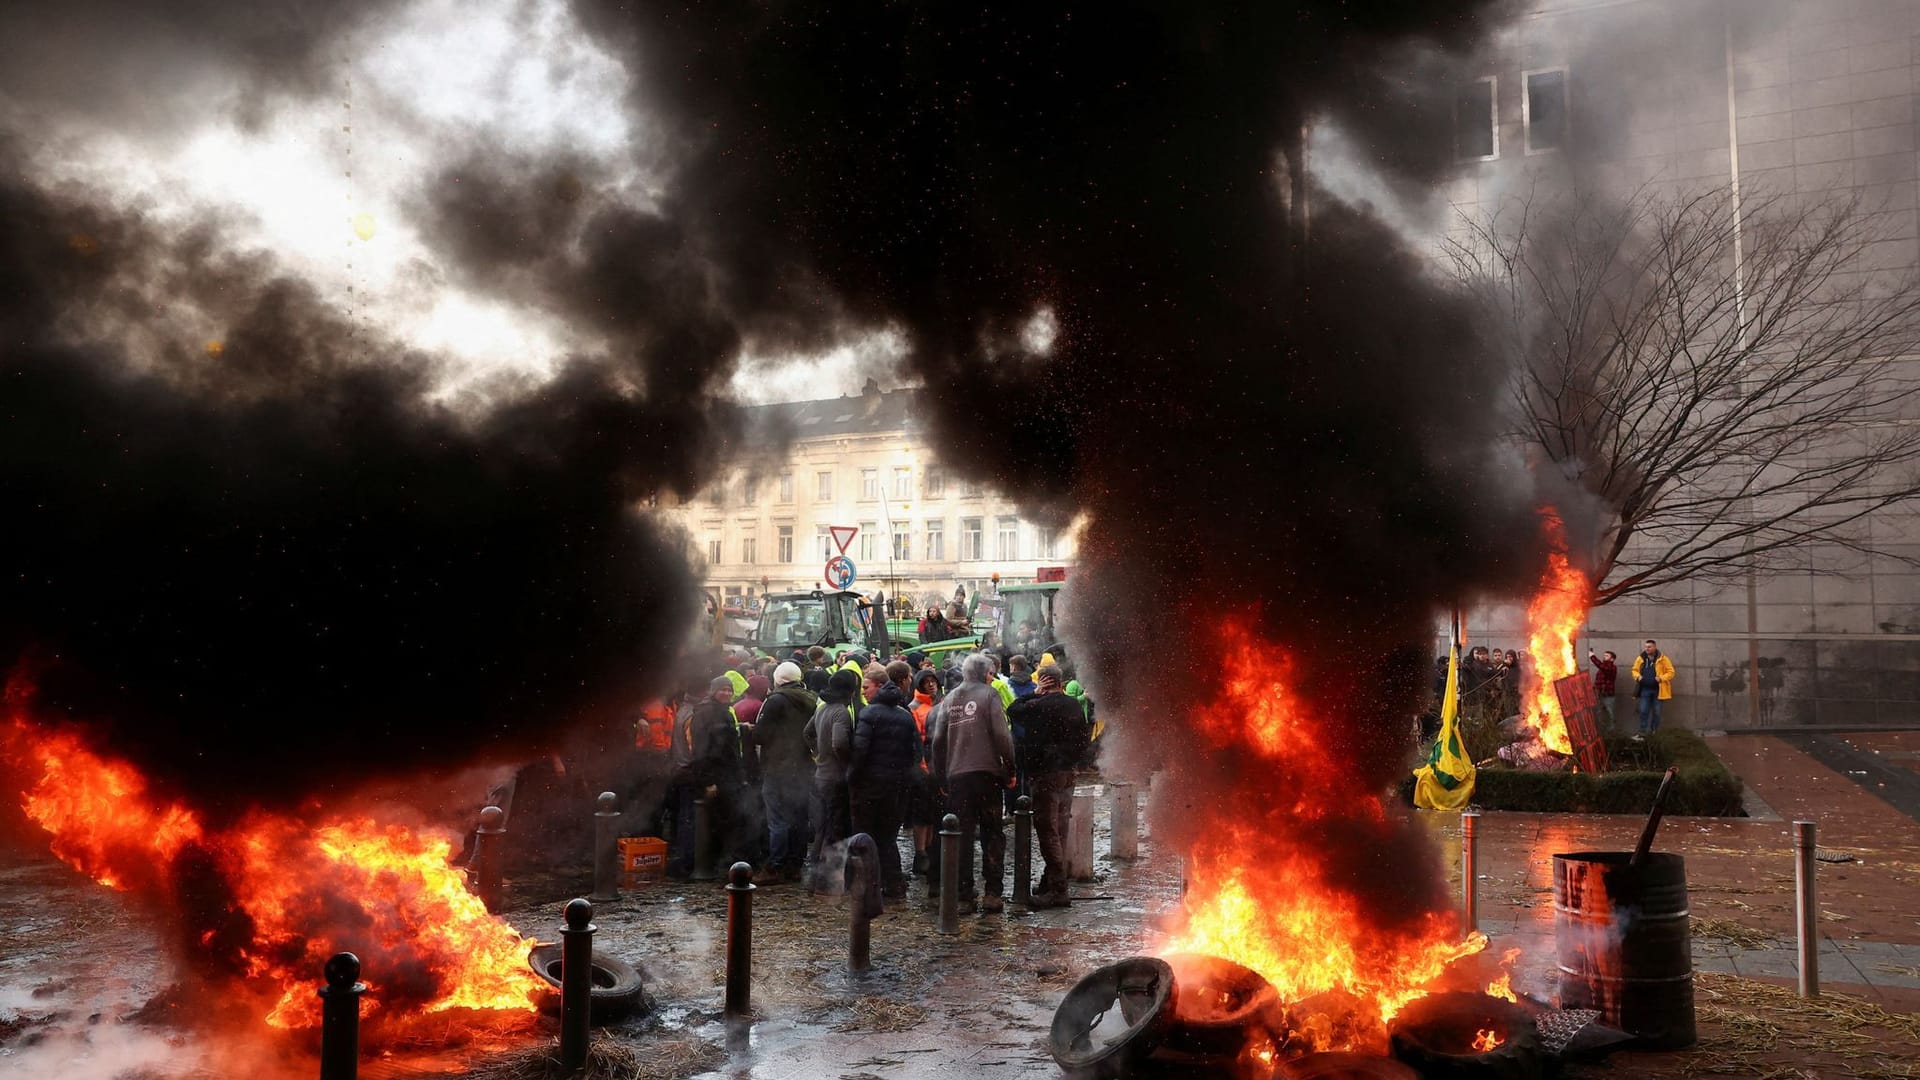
(1142, 989)
(1221, 1008)
(617, 989)
(1464, 1035)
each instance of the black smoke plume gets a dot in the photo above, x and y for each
(1264, 411)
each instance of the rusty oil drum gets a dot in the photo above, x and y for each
(1623, 943)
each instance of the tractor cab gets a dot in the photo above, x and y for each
(836, 620)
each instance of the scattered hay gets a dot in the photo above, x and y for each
(1749, 1021)
(882, 1015)
(608, 1058)
(1728, 930)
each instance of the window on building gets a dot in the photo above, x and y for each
(785, 543)
(936, 482)
(713, 552)
(969, 489)
(1049, 542)
(717, 495)
(902, 547)
(936, 541)
(1006, 545)
(824, 542)
(1546, 110)
(869, 484)
(825, 479)
(786, 487)
(867, 541)
(749, 491)
(749, 549)
(970, 539)
(1476, 126)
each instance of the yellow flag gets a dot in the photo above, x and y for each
(1445, 782)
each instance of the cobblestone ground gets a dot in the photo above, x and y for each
(76, 964)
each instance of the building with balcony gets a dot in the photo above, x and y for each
(859, 461)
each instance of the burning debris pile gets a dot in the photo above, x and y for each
(1555, 614)
(259, 904)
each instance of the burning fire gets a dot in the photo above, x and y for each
(1554, 618)
(294, 891)
(1260, 897)
(1502, 987)
(1485, 1039)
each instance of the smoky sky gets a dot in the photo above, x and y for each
(284, 562)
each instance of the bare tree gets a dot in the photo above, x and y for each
(1734, 384)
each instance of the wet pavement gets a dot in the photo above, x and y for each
(979, 1003)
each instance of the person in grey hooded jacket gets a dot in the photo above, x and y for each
(972, 759)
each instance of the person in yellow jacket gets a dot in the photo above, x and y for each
(1652, 684)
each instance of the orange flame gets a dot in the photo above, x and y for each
(1502, 987)
(1554, 617)
(1261, 899)
(297, 891)
(1485, 1039)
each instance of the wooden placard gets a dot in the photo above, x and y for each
(1581, 709)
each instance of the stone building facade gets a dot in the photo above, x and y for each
(860, 461)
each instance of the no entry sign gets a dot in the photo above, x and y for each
(840, 572)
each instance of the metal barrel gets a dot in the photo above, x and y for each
(1623, 943)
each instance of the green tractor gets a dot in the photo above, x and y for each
(1022, 619)
(838, 621)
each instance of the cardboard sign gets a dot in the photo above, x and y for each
(1582, 709)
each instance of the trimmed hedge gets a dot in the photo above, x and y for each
(1704, 785)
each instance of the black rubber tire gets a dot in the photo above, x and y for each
(1255, 1008)
(617, 988)
(1148, 1012)
(1431, 1033)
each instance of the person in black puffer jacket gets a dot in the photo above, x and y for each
(787, 770)
(886, 755)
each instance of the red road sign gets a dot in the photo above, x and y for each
(843, 535)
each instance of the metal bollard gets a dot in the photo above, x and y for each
(1080, 839)
(1469, 881)
(606, 848)
(739, 939)
(1124, 842)
(859, 925)
(702, 840)
(489, 852)
(576, 984)
(340, 1018)
(1023, 850)
(950, 874)
(1806, 907)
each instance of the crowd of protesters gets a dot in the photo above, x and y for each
(793, 757)
(1490, 679)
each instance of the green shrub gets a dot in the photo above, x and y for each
(1704, 786)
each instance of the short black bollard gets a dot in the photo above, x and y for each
(340, 1018)
(606, 848)
(1023, 850)
(489, 853)
(950, 874)
(740, 940)
(859, 923)
(702, 840)
(576, 984)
